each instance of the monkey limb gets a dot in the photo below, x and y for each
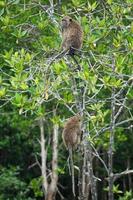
(76, 62)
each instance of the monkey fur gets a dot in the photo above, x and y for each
(72, 132)
(71, 135)
(72, 35)
(72, 39)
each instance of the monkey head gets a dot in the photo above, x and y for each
(77, 118)
(66, 22)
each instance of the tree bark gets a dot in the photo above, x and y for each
(43, 156)
(129, 175)
(111, 143)
(91, 174)
(85, 182)
(52, 188)
(49, 188)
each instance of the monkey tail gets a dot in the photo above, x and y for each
(72, 171)
(72, 54)
(76, 62)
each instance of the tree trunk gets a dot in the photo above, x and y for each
(124, 184)
(84, 186)
(49, 188)
(129, 175)
(51, 193)
(111, 143)
(43, 156)
(91, 174)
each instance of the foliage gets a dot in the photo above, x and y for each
(127, 196)
(36, 185)
(30, 87)
(11, 185)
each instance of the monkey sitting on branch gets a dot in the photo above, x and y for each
(71, 136)
(72, 37)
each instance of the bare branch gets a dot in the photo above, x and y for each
(43, 155)
(116, 125)
(118, 175)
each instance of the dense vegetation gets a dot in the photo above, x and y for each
(33, 90)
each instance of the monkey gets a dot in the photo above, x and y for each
(72, 35)
(72, 132)
(71, 136)
(72, 39)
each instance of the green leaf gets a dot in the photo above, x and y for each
(19, 100)
(5, 20)
(2, 92)
(15, 2)
(109, 2)
(36, 185)
(2, 12)
(18, 33)
(130, 94)
(2, 3)
(55, 119)
(7, 54)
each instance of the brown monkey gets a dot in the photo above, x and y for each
(71, 137)
(72, 35)
(72, 39)
(72, 132)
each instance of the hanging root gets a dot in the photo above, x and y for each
(72, 170)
